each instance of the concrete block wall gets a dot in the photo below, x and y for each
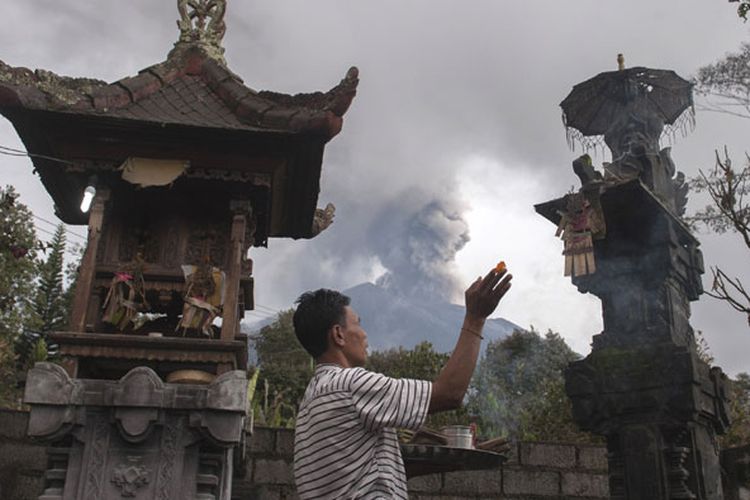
(22, 462)
(535, 471)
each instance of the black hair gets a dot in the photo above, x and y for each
(316, 313)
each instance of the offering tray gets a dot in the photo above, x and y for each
(421, 459)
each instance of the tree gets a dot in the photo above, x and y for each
(422, 363)
(743, 8)
(739, 412)
(738, 396)
(49, 299)
(518, 390)
(18, 248)
(729, 210)
(725, 85)
(285, 369)
(52, 302)
(71, 277)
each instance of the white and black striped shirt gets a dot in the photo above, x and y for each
(345, 444)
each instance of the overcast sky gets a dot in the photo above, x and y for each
(456, 128)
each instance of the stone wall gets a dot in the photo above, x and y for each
(535, 470)
(22, 462)
(735, 463)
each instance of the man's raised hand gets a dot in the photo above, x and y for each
(485, 293)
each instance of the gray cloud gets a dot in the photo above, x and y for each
(441, 82)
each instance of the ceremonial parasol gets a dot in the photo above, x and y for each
(594, 105)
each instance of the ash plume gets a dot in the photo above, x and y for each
(419, 249)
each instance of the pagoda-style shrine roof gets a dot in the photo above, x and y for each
(189, 88)
(261, 145)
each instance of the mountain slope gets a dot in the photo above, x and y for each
(392, 320)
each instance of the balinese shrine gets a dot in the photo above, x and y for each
(178, 172)
(643, 387)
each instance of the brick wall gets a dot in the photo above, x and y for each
(535, 470)
(22, 463)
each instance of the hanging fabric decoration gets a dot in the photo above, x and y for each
(580, 223)
(204, 297)
(125, 299)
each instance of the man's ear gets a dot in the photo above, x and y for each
(336, 335)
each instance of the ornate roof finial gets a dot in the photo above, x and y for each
(202, 23)
(620, 62)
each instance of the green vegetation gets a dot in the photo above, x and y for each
(724, 87)
(423, 363)
(743, 8)
(18, 268)
(33, 297)
(285, 369)
(739, 412)
(518, 391)
(49, 307)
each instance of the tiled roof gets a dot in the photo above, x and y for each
(190, 89)
(187, 100)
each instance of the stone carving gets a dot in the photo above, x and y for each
(634, 142)
(585, 171)
(166, 423)
(98, 444)
(129, 477)
(678, 474)
(643, 386)
(323, 218)
(631, 108)
(169, 442)
(202, 22)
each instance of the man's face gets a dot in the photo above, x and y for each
(355, 348)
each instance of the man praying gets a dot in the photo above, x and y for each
(345, 443)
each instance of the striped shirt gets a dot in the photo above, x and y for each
(345, 444)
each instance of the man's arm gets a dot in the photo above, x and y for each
(482, 297)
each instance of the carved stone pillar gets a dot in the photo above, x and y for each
(136, 437)
(643, 387)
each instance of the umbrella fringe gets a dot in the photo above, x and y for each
(685, 124)
(589, 144)
(595, 144)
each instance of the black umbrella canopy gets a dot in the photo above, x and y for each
(594, 105)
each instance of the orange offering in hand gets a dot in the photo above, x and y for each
(500, 267)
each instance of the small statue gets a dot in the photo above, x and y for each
(202, 22)
(585, 171)
(323, 218)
